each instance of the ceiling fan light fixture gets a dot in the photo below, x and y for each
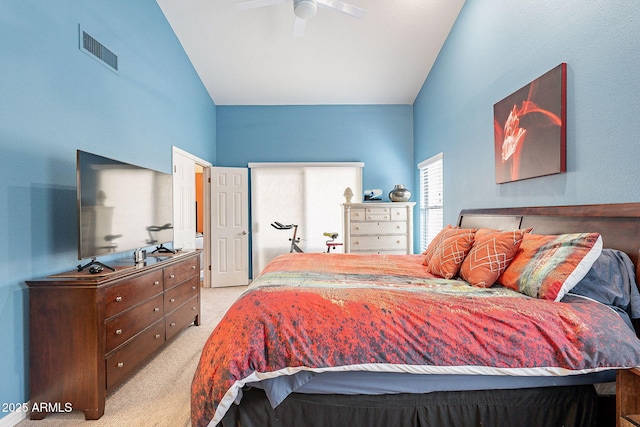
(305, 9)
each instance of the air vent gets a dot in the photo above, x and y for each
(98, 51)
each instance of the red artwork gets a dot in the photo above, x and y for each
(530, 129)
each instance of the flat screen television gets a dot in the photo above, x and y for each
(121, 207)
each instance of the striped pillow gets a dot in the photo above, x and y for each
(548, 267)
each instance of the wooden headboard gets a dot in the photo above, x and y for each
(618, 224)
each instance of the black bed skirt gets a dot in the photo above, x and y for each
(572, 406)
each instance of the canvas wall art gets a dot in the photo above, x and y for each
(530, 129)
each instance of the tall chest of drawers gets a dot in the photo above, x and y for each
(90, 333)
(378, 227)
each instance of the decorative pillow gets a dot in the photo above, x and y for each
(434, 244)
(548, 267)
(491, 253)
(449, 254)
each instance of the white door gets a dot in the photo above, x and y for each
(184, 202)
(229, 226)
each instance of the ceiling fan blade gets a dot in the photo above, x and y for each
(298, 27)
(254, 4)
(340, 6)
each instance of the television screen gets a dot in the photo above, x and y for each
(121, 207)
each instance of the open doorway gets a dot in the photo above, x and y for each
(191, 212)
(200, 210)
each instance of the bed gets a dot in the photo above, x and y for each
(379, 340)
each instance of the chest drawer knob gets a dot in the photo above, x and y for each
(172, 324)
(171, 276)
(193, 307)
(193, 267)
(172, 300)
(120, 365)
(118, 299)
(193, 287)
(118, 331)
(157, 336)
(156, 309)
(156, 283)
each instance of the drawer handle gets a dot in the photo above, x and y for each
(156, 309)
(118, 331)
(193, 308)
(172, 300)
(156, 283)
(172, 324)
(171, 276)
(193, 287)
(157, 336)
(120, 365)
(118, 298)
(193, 267)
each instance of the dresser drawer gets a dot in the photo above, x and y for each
(127, 294)
(357, 214)
(388, 227)
(386, 243)
(178, 295)
(380, 252)
(377, 214)
(182, 317)
(398, 214)
(121, 328)
(122, 362)
(178, 273)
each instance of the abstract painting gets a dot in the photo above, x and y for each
(530, 129)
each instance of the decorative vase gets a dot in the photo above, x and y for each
(399, 194)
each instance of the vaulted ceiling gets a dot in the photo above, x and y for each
(251, 57)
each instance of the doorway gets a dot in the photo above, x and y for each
(190, 211)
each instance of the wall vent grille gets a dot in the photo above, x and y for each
(98, 51)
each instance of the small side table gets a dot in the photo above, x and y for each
(628, 398)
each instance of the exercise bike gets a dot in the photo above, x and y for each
(331, 243)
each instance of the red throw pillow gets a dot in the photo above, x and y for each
(449, 254)
(490, 255)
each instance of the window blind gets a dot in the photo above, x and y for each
(431, 199)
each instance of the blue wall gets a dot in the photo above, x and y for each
(381, 136)
(55, 99)
(498, 46)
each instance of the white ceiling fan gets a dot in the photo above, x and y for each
(305, 9)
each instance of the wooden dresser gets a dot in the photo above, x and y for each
(91, 332)
(378, 227)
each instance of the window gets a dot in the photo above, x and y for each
(431, 205)
(307, 194)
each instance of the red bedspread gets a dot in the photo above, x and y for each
(323, 312)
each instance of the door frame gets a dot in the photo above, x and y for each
(206, 188)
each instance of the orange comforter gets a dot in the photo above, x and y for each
(324, 312)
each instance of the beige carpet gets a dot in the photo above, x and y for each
(158, 395)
